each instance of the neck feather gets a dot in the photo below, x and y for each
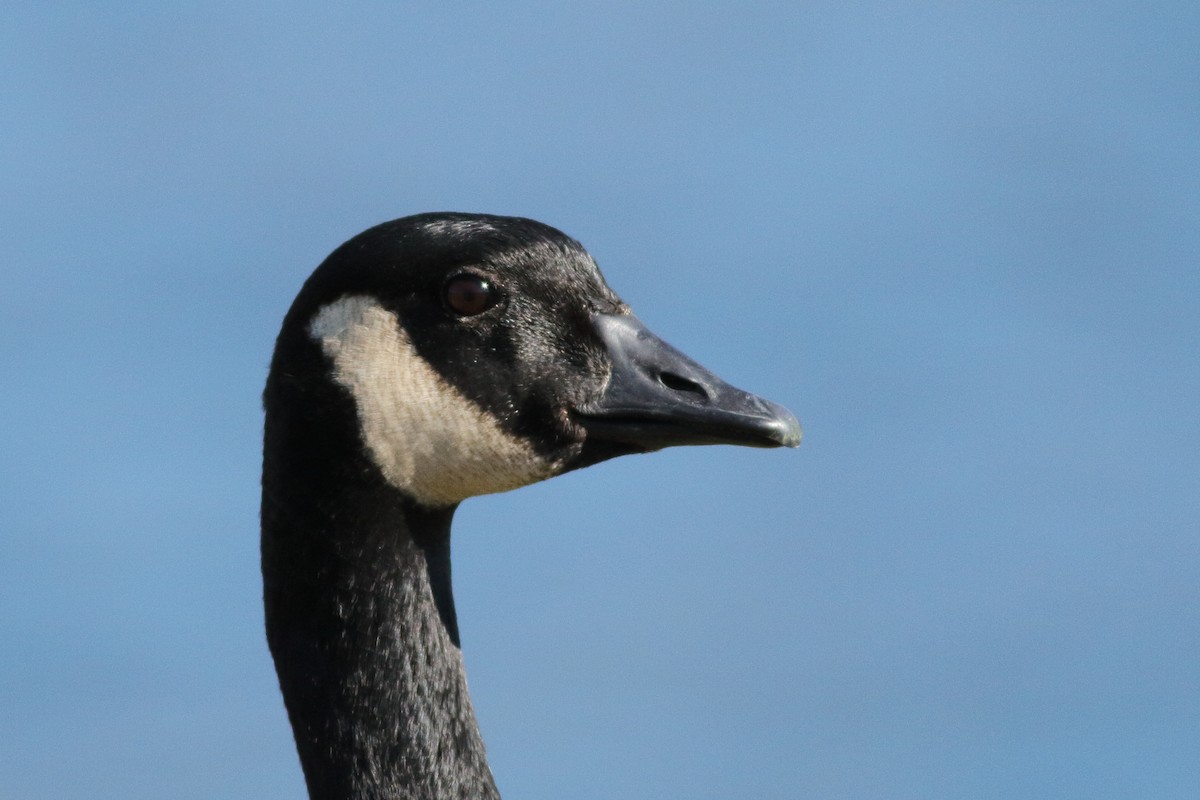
(360, 621)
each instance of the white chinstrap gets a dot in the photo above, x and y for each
(428, 440)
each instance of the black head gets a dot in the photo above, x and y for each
(468, 354)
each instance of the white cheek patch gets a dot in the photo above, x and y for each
(427, 439)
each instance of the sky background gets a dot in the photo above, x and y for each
(961, 241)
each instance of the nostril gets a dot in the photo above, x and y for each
(678, 383)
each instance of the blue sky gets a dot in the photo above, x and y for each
(960, 241)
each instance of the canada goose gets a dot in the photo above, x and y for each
(427, 360)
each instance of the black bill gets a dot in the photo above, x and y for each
(658, 397)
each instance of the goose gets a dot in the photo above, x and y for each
(430, 359)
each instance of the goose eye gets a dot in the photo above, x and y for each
(468, 295)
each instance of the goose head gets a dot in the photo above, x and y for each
(483, 353)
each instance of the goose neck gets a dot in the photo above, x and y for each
(360, 621)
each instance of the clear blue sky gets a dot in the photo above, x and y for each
(960, 240)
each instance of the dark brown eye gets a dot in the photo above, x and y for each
(468, 295)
